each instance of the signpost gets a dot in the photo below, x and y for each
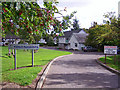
(110, 50)
(23, 46)
(15, 59)
(32, 57)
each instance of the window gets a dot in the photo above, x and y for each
(75, 44)
(67, 40)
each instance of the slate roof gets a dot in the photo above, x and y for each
(80, 37)
(68, 34)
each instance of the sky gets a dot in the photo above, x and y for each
(88, 11)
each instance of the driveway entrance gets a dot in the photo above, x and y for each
(80, 71)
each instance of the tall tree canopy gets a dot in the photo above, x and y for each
(30, 21)
(106, 34)
(75, 24)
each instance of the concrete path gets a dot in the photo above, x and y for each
(80, 71)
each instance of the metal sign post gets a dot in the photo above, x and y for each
(23, 46)
(110, 50)
(15, 59)
(32, 58)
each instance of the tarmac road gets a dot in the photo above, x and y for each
(80, 70)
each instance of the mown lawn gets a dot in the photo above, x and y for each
(110, 61)
(25, 76)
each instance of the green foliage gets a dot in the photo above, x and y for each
(29, 21)
(20, 76)
(107, 34)
(75, 24)
(110, 61)
(66, 23)
(86, 30)
(25, 76)
(42, 44)
(50, 41)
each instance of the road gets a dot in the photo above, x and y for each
(80, 70)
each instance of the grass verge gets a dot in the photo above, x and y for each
(110, 61)
(25, 76)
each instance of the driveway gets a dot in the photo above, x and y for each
(80, 70)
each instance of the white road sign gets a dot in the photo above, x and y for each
(23, 46)
(110, 49)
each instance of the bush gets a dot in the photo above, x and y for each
(41, 44)
(55, 44)
(50, 44)
(99, 50)
(76, 50)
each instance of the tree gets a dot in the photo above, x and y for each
(114, 24)
(106, 34)
(75, 24)
(50, 41)
(94, 24)
(29, 21)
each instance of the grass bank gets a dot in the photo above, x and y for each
(25, 76)
(110, 61)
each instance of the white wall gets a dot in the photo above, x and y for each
(42, 41)
(72, 43)
(67, 47)
(62, 40)
(16, 41)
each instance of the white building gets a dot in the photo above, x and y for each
(42, 41)
(73, 40)
(10, 39)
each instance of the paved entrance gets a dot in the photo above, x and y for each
(79, 71)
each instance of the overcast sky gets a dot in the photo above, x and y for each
(88, 10)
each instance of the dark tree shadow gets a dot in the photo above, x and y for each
(87, 79)
(97, 79)
(4, 56)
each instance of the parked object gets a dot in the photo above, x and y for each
(89, 49)
(118, 50)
